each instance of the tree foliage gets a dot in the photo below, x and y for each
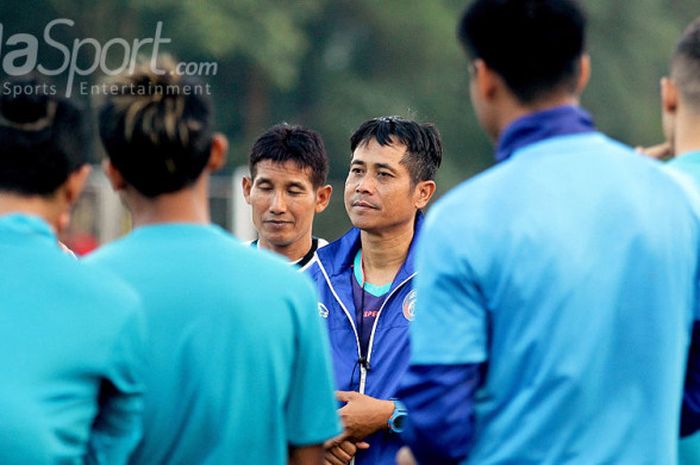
(331, 64)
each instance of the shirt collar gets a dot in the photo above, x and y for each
(541, 125)
(338, 256)
(303, 260)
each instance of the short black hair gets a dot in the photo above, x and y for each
(284, 142)
(685, 65)
(534, 45)
(156, 130)
(43, 138)
(422, 141)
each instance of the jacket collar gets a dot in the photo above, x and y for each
(535, 127)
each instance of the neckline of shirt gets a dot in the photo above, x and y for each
(27, 224)
(541, 125)
(374, 289)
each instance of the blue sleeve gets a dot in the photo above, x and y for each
(311, 415)
(690, 413)
(440, 404)
(451, 323)
(117, 428)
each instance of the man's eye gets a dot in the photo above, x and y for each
(265, 188)
(295, 192)
(355, 170)
(384, 174)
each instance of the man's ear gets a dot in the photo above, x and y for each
(669, 96)
(584, 73)
(75, 183)
(323, 196)
(423, 193)
(114, 176)
(486, 81)
(246, 186)
(218, 152)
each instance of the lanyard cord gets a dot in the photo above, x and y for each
(363, 357)
(362, 360)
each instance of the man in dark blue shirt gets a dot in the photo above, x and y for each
(555, 307)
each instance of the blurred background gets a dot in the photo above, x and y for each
(331, 64)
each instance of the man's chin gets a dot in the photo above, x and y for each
(278, 240)
(363, 223)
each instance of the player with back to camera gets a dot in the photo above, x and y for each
(238, 360)
(555, 306)
(71, 338)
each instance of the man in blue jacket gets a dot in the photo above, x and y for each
(557, 289)
(365, 281)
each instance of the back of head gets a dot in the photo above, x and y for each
(422, 141)
(534, 45)
(44, 139)
(283, 142)
(685, 65)
(156, 131)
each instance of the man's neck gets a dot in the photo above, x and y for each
(188, 205)
(294, 251)
(48, 210)
(384, 254)
(513, 110)
(687, 137)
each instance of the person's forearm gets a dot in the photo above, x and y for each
(307, 455)
(363, 415)
(439, 400)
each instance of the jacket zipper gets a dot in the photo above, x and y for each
(363, 370)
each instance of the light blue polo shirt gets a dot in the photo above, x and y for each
(569, 270)
(238, 359)
(689, 164)
(71, 354)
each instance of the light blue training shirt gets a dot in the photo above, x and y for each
(71, 354)
(569, 271)
(238, 359)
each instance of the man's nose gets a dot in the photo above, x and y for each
(279, 204)
(365, 185)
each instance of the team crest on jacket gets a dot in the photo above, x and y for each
(323, 310)
(409, 305)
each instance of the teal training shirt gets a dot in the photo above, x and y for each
(239, 364)
(569, 270)
(71, 354)
(689, 164)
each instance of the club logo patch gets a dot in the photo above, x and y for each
(323, 310)
(409, 306)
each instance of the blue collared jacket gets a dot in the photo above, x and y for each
(387, 356)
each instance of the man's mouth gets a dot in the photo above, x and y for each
(364, 204)
(277, 222)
